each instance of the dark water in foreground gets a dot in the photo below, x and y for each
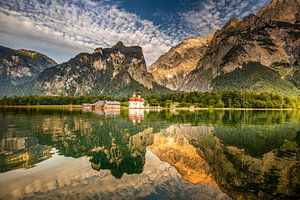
(60, 154)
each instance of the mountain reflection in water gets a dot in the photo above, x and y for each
(139, 154)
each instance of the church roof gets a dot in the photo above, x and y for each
(138, 99)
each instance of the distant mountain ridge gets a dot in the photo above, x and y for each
(20, 66)
(119, 70)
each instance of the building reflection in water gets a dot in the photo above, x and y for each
(136, 115)
(105, 112)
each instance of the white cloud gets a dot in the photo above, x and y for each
(16, 33)
(61, 29)
(211, 15)
(77, 25)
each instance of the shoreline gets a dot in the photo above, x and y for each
(147, 108)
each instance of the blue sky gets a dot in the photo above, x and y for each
(61, 29)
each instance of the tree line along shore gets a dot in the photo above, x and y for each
(224, 99)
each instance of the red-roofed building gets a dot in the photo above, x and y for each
(136, 101)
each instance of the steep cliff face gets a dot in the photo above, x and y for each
(20, 66)
(288, 11)
(111, 71)
(171, 68)
(269, 38)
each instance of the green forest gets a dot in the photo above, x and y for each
(222, 99)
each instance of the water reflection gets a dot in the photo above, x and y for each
(21, 152)
(136, 115)
(125, 155)
(107, 112)
(247, 154)
(172, 146)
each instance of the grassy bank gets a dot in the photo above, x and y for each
(198, 100)
(43, 106)
(78, 107)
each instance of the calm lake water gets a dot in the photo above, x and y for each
(137, 154)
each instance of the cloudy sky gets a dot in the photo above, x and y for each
(61, 29)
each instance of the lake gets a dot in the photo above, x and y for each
(140, 154)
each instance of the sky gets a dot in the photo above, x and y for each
(63, 28)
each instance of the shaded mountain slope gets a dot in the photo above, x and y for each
(118, 70)
(267, 38)
(20, 66)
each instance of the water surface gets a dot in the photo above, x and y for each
(138, 154)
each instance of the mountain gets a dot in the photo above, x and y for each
(267, 42)
(171, 68)
(260, 52)
(118, 70)
(256, 77)
(281, 10)
(20, 66)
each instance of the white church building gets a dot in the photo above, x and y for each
(136, 101)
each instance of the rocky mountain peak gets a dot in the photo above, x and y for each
(170, 69)
(97, 50)
(268, 38)
(130, 51)
(119, 45)
(232, 23)
(118, 70)
(29, 52)
(281, 10)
